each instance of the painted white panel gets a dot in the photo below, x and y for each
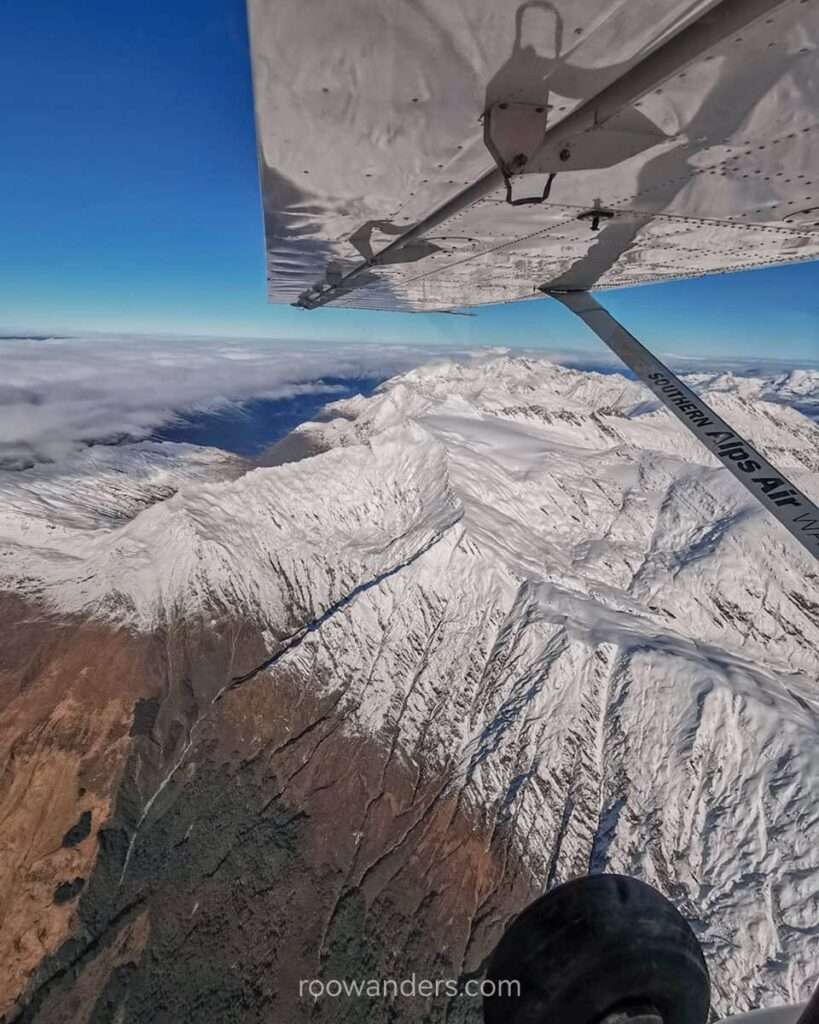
(368, 118)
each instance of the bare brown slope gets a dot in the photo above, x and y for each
(277, 844)
(67, 692)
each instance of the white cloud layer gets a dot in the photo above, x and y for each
(60, 393)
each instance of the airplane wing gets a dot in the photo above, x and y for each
(419, 155)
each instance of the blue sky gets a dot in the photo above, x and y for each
(129, 202)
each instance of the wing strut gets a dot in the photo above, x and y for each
(780, 497)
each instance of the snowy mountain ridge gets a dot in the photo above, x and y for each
(571, 456)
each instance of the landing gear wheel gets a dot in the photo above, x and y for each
(603, 948)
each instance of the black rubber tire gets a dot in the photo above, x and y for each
(593, 946)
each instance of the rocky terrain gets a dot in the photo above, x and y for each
(501, 624)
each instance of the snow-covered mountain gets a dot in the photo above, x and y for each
(512, 593)
(799, 388)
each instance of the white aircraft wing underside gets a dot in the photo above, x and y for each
(369, 117)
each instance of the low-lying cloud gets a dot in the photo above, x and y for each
(62, 393)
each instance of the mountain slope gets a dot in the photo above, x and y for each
(510, 625)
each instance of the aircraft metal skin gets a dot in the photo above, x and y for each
(370, 117)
